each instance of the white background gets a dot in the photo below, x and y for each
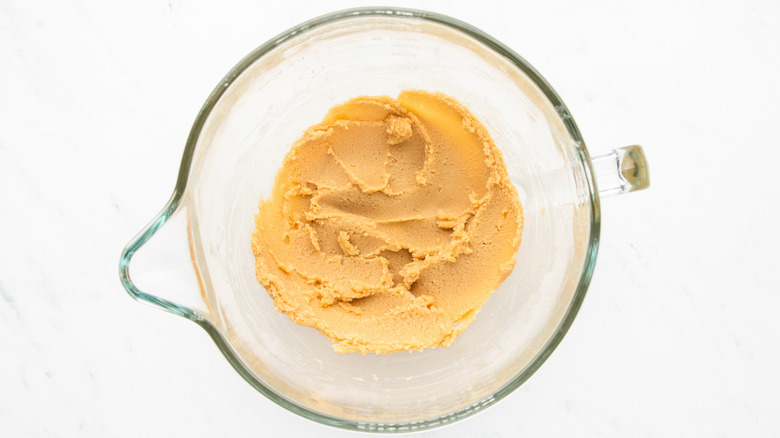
(678, 335)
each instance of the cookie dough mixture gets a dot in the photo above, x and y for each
(389, 224)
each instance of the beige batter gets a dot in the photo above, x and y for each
(389, 225)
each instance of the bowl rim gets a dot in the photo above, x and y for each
(181, 184)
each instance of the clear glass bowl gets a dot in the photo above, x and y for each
(197, 250)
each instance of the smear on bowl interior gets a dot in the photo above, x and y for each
(389, 224)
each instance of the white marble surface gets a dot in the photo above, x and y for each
(678, 336)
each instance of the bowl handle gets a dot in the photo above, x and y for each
(163, 259)
(621, 170)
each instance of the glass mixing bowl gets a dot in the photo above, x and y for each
(197, 250)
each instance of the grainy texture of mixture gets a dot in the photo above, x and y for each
(389, 225)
